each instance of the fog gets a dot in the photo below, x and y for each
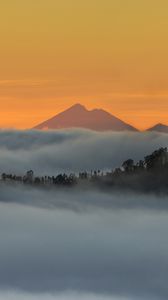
(56, 296)
(81, 200)
(74, 150)
(80, 243)
(110, 251)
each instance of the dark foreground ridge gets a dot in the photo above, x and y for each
(148, 175)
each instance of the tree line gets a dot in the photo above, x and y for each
(144, 175)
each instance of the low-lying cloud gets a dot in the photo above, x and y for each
(64, 243)
(68, 244)
(81, 200)
(52, 152)
(55, 296)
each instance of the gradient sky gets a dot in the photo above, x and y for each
(110, 54)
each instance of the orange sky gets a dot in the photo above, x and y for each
(110, 54)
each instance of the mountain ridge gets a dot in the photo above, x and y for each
(159, 128)
(77, 116)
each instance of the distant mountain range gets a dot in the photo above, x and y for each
(159, 128)
(78, 116)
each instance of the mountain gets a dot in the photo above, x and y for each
(159, 128)
(78, 116)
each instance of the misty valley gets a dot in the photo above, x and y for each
(83, 150)
(101, 236)
(148, 175)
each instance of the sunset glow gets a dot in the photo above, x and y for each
(109, 54)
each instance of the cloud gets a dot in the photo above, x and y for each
(55, 296)
(27, 83)
(62, 242)
(68, 244)
(82, 199)
(74, 150)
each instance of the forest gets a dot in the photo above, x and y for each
(147, 175)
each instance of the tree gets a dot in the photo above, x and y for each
(128, 165)
(158, 159)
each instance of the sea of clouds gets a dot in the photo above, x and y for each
(58, 296)
(83, 244)
(52, 152)
(64, 246)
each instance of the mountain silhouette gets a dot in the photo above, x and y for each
(159, 128)
(78, 116)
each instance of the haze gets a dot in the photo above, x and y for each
(86, 245)
(83, 88)
(82, 243)
(64, 151)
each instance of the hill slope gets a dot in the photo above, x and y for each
(159, 128)
(78, 116)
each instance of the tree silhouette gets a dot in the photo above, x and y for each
(128, 165)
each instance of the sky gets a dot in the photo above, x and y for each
(109, 54)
